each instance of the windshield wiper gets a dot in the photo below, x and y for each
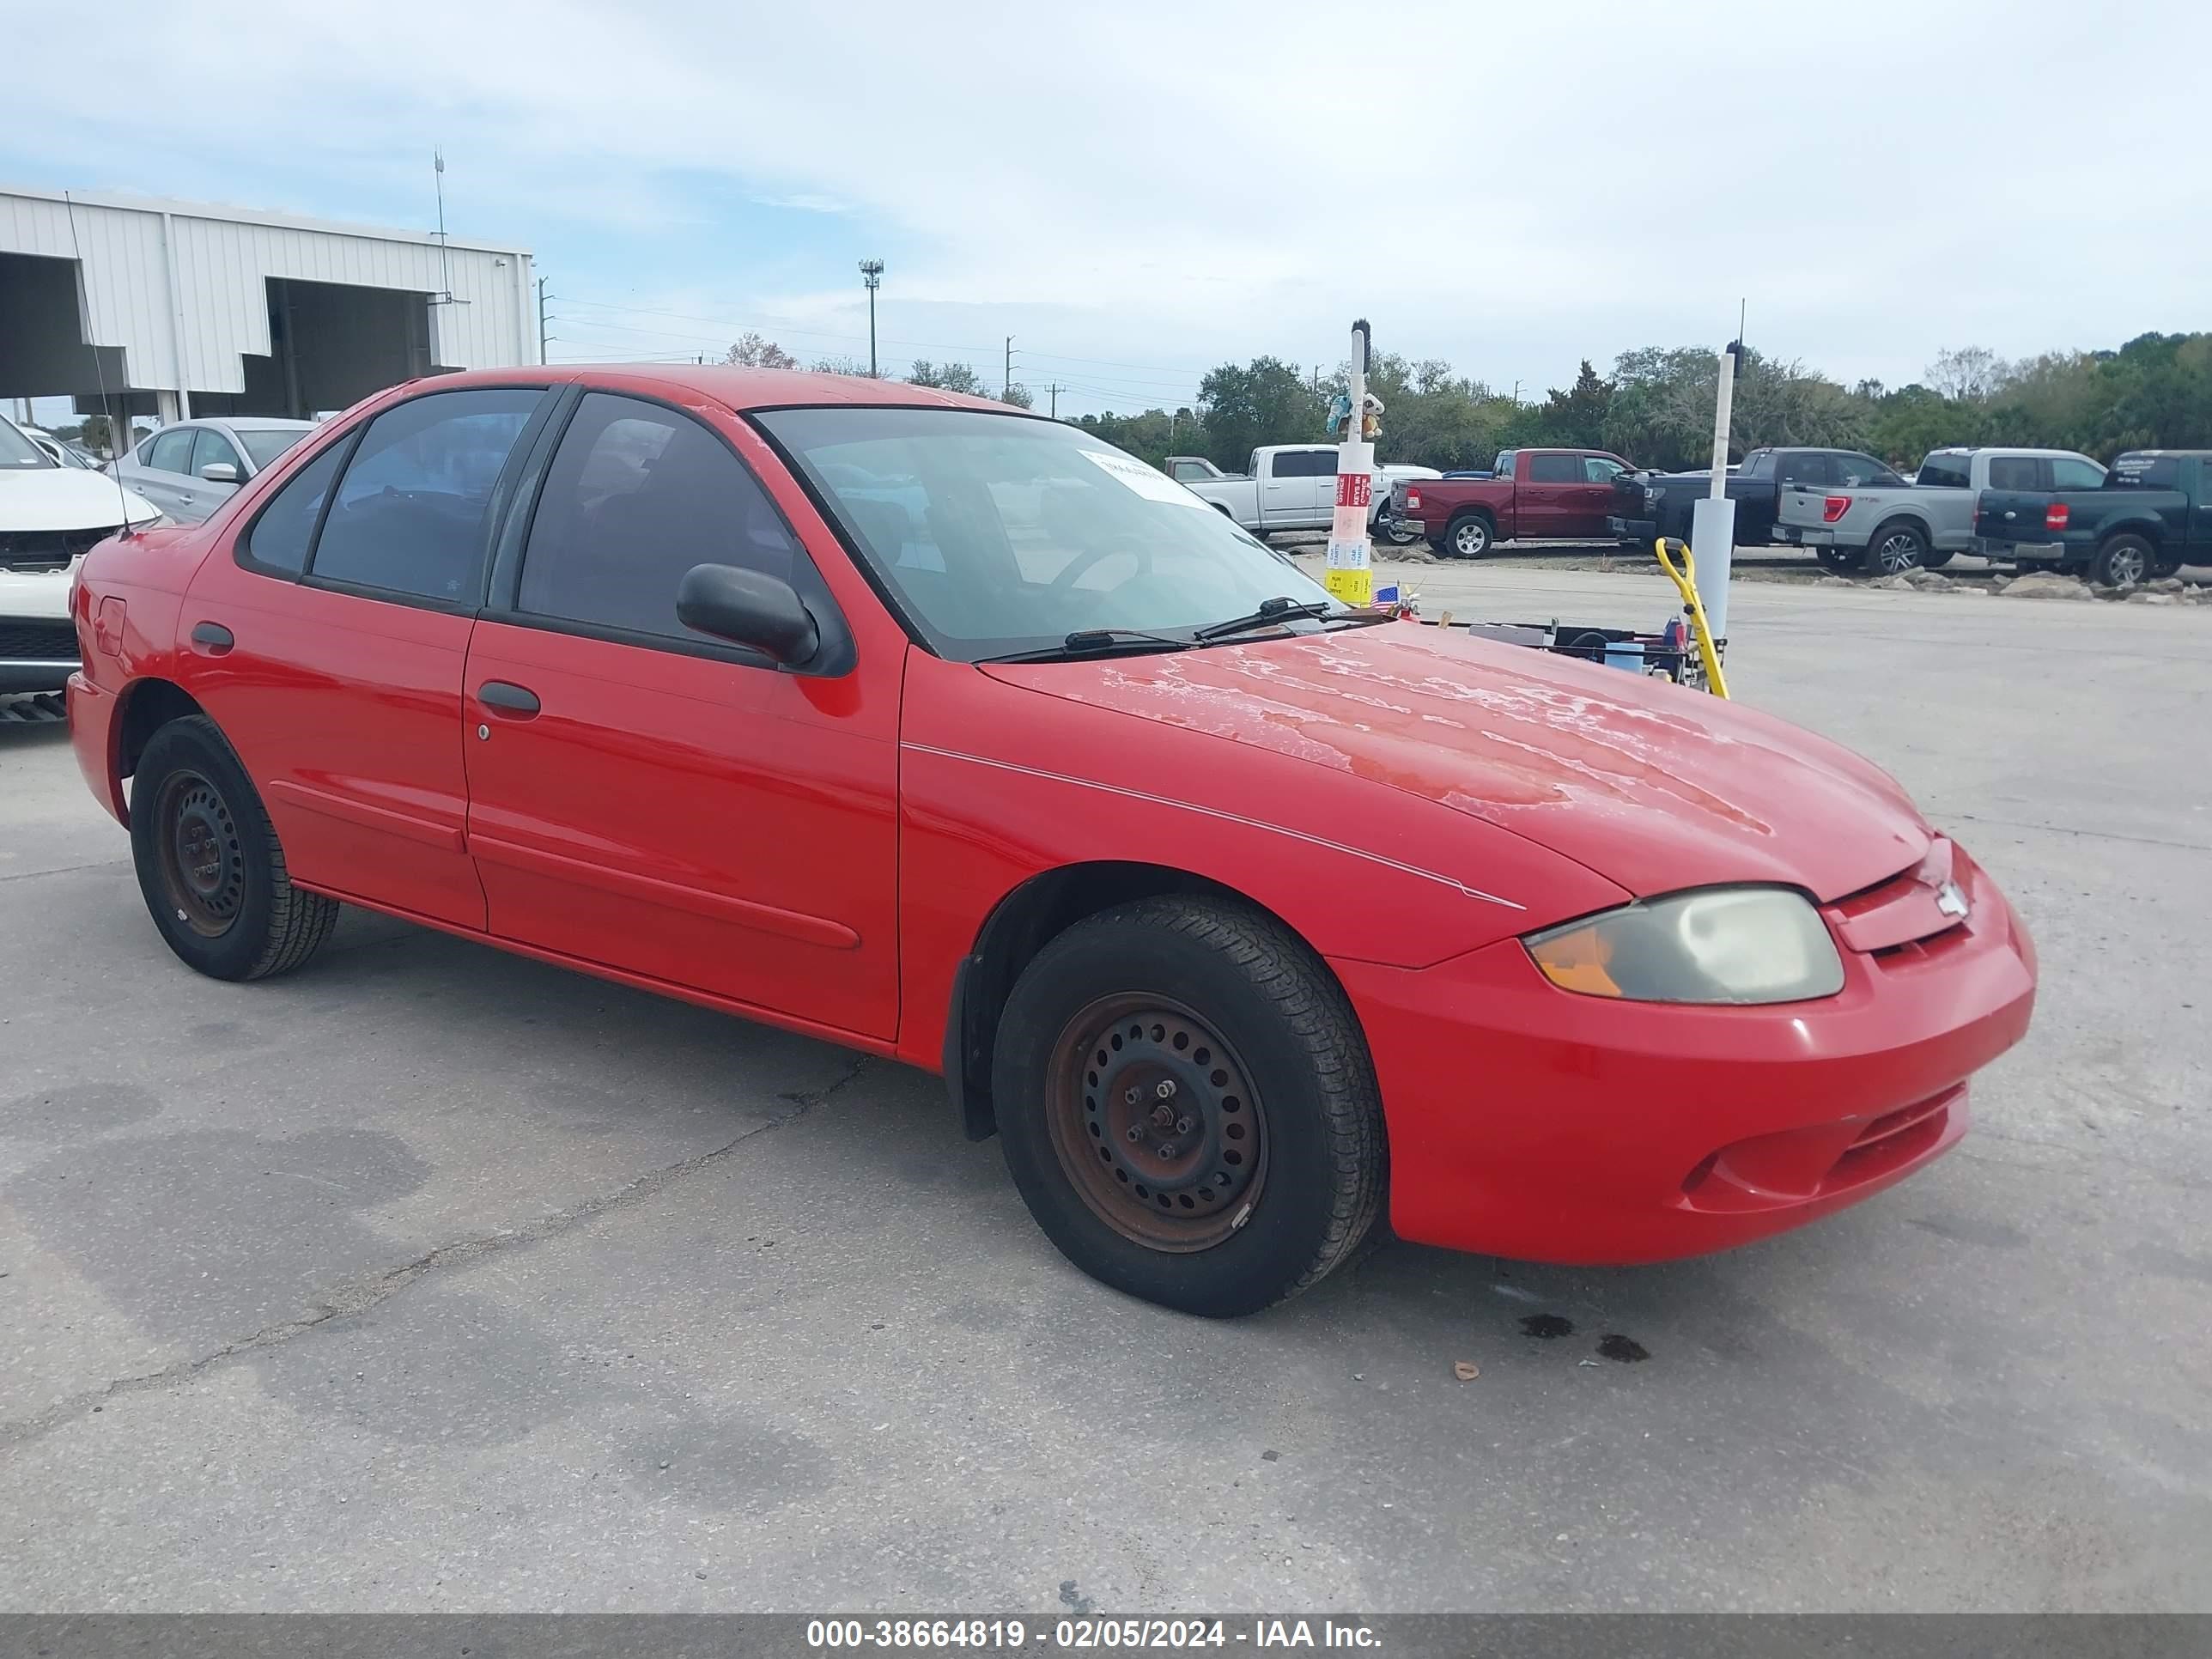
(1097, 642)
(1279, 609)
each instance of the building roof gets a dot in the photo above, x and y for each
(125, 202)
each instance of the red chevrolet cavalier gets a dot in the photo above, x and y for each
(949, 733)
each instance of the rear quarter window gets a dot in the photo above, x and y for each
(1945, 472)
(2145, 472)
(2013, 472)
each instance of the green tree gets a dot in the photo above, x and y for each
(1267, 402)
(948, 377)
(1577, 415)
(752, 351)
(1019, 395)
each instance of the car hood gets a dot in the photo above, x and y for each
(66, 498)
(1652, 787)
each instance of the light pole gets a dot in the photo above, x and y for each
(872, 273)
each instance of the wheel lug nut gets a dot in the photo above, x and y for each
(1182, 1126)
(1135, 1132)
(1166, 1090)
(1132, 1097)
(1168, 1150)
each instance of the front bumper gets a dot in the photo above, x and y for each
(1632, 530)
(1530, 1123)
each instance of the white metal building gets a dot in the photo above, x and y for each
(222, 310)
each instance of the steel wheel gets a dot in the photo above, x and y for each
(202, 858)
(1155, 1122)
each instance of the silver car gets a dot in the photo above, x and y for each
(192, 467)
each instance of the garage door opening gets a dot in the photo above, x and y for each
(332, 345)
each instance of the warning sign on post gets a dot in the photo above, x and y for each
(1350, 576)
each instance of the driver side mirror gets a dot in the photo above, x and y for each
(219, 472)
(747, 607)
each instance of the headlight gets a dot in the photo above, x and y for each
(1717, 945)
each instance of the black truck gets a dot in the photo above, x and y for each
(1649, 505)
(2153, 516)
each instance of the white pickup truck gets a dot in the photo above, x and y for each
(1290, 486)
(1891, 528)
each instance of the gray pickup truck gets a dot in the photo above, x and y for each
(1893, 528)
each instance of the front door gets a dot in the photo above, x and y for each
(330, 646)
(210, 449)
(650, 799)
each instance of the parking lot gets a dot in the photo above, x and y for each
(431, 1278)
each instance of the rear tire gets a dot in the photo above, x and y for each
(2123, 561)
(1895, 548)
(1470, 537)
(209, 864)
(1175, 1048)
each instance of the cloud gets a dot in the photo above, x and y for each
(1510, 188)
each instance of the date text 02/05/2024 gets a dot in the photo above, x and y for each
(1086, 1632)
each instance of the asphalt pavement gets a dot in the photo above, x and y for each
(432, 1278)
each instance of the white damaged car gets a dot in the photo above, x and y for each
(51, 515)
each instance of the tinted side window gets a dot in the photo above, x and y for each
(411, 513)
(1760, 463)
(1945, 472)
(172, 451)
(211, 447)
(635, 496)
(1806, 467)
(1854, 469)
(1555, 468)
(1503, 466)
(2016, 472)
(2068, 473)
(278, 540)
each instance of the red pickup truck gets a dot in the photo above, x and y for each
(1561, 494)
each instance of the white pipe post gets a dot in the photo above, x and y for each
(1712, 519)
(1351, 574)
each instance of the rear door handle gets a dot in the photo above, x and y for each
(213, 638)
(508, 698)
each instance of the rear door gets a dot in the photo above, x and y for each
(1302, 491)
(2199, 487)
(659, 802)
(1546, 496)
(330, 644)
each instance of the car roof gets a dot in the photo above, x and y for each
(257, 423)
(739, 389)
(2178, 453)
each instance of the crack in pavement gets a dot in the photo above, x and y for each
(358, 1296)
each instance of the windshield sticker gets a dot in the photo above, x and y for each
(1152, 485)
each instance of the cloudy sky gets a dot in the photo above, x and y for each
(1137, 191)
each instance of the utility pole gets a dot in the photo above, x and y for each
(1053, 392)
(541, 320)
(872, 273)
(1006, 379)
(1516, 394)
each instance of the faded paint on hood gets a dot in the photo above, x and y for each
(1653, 786)
(66, 498)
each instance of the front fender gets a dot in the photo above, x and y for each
(998, 784)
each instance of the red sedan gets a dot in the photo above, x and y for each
(939, 730)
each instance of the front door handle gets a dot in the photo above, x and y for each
(213, 638)
(505, 698)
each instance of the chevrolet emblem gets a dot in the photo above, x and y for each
(1951, 901)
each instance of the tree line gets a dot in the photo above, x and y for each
(1655, 407)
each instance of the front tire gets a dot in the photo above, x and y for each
(1187, 1106)
(209, 864)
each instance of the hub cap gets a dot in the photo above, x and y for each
(1156, 1123)
(202, 864)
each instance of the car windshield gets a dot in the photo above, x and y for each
(264, 444)
(1002, 533)
(16, 449)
